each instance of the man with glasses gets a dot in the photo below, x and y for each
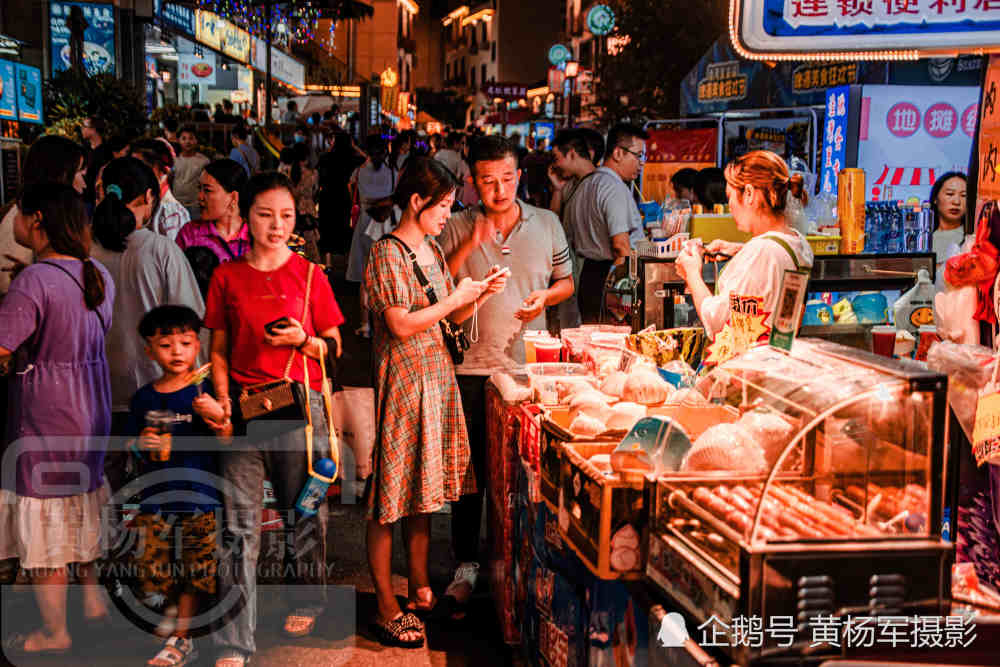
(601, 215)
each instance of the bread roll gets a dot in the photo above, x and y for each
(769, 430)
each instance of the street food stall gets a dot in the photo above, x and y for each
(651, 486)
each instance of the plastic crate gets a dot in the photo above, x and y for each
(824, 245)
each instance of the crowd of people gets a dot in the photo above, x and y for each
(134, 268)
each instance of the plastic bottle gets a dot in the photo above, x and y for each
(916, 307)
(315, 489)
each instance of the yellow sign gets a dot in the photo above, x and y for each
(389, 78)
(817, 77)
(207, 30)
(746, 327)
(235, 42)
(986, 432)
(217, 33)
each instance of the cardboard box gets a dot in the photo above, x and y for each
(599, 514)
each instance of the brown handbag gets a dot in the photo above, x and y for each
(257, 400)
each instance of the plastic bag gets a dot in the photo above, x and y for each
(969, 368)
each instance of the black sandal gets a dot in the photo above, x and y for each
(392, 632)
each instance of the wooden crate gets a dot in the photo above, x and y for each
(594, 507)
(555, 432)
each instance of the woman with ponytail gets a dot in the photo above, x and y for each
(758, 187)
(149, 269)
(56, 316)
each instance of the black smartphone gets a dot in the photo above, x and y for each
(280, 323)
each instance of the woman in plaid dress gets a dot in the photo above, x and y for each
(421, 457)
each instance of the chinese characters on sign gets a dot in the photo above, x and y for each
(722, 82)
(834, 137)
(816, 77)
(852, 632)
(845, 13)
(507, 91)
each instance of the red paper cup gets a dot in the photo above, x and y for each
(883, 340)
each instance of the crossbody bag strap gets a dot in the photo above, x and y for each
(425, 284)
(788, 248)
(80, 285)
(305, 313)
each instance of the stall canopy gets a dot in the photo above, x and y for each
(722, 81)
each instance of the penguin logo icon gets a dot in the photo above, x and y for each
(673, 632)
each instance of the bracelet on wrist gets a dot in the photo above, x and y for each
(304, 343)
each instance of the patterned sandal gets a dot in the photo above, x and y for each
(299, 624)
(391, 634)
(176, 652)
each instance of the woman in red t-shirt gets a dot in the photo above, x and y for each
(267, 284)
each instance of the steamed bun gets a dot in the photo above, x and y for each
(625, 415)
(614, 384)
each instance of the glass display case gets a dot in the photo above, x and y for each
(825, 498)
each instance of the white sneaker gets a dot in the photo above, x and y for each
(461, 587)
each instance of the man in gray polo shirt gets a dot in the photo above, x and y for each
(601, 215)
(502, 231)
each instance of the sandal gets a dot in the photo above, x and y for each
(232, 658)
(391, 634)
(175, 652)
(13, 647)
(299, 624)
(422, 606)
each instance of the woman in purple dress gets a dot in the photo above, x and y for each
(55, 317)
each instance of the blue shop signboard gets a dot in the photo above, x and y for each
(770, 29)
(29, 94)
(177, 17)
(8, 90)
(835, 137)
(98, 37)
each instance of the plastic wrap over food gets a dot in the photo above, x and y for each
(969, 369)
(725, 447)
(769, 430)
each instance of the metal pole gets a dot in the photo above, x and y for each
(267, 75)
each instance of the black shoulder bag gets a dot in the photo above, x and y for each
(454, 336)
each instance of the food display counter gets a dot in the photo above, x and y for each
(829, 502)
(655, 286)
(780, 484)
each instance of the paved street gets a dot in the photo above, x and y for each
(342, 636)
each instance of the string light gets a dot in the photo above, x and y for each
(294, 20)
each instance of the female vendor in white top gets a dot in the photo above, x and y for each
(758, 187)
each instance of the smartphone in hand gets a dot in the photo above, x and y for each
(497, 274)
(280, 323)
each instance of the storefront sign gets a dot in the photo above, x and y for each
(98, 37)
(989, 135)
(723, 82)
(863, 29)
(556, 78)
(544, 132)
(810, 77)
(8, 88)
(244, 81)
(29, 94)
(909, 135)
(193, 69)
(208, 30)
(559, 53)
(235, 42)
(177, 17)
(834, 137)
(507, 91)
(600, 20)
(284, 68)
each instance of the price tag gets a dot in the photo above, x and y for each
(745, 328)
(986, 431)
(789, 314)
